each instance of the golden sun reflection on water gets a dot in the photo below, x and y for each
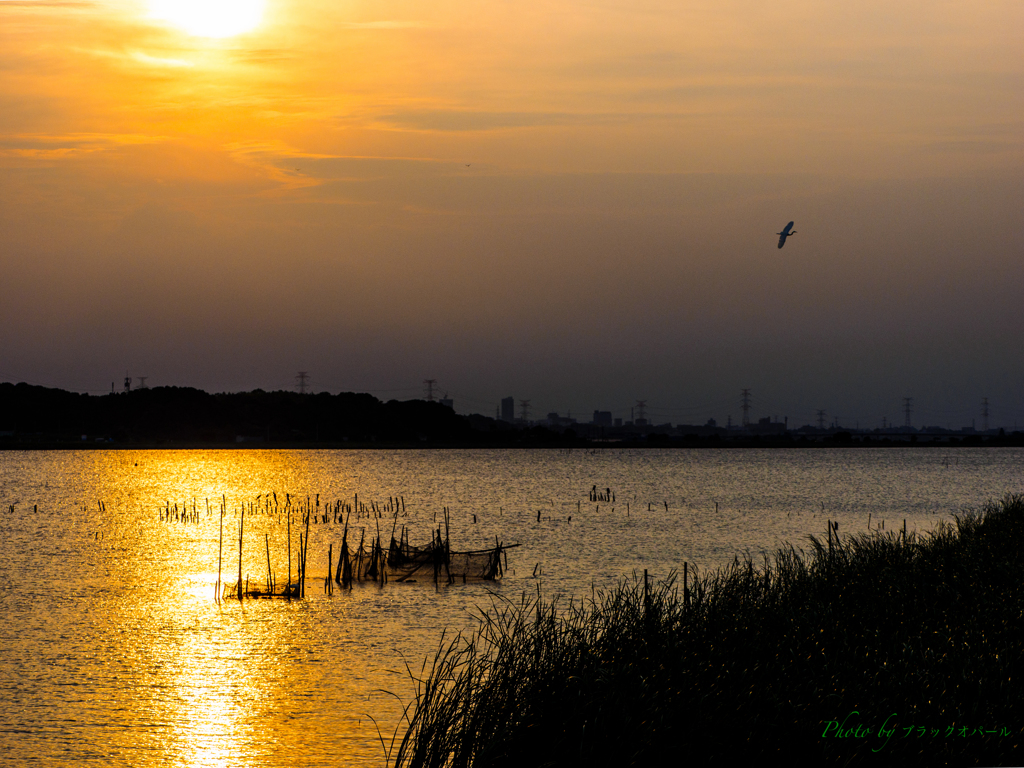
(208, 718)
(245, 684)
(236, 683)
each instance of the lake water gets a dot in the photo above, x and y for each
(113, 650)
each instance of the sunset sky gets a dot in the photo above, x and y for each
(573, 203)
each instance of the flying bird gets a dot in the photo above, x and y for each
(785, 233)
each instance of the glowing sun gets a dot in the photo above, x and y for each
(209, 18)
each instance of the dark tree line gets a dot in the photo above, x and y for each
(31, 413)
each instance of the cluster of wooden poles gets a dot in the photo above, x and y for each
(296, 590)
(369, 562)
(337, 511)
(183, 515)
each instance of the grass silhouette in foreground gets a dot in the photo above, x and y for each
(875, 650)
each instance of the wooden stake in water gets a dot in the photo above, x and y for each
(241, 528)
(220, 552)
(270, 575)
(300, 576)
(305, 549)
(330, 559)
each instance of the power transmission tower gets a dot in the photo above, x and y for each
(302, 379)
(524, 405)
(641, 409)
(746, 407)
(821, 419)
(906, 411)
(430, 389)
(984, 414)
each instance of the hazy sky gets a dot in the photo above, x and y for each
(573, 203)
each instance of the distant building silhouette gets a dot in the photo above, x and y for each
(554, 420)
(508, 409)
(602, 418)
(767, 426)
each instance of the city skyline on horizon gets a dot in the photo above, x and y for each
(655, 413)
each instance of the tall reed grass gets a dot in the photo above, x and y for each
(914, 636)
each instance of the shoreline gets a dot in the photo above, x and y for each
(939, 441)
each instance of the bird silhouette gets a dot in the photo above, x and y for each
(785, 233)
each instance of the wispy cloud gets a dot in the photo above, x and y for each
(158, 61)
(262, 55)
(476, 120)
(294, 169)
(57, 146)
(381, 25)
(46, 3)
(138, 57)
(270, 157)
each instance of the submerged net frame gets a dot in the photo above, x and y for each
(400, 562)
(404, 562)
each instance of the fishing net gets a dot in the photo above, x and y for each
(403, 562)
